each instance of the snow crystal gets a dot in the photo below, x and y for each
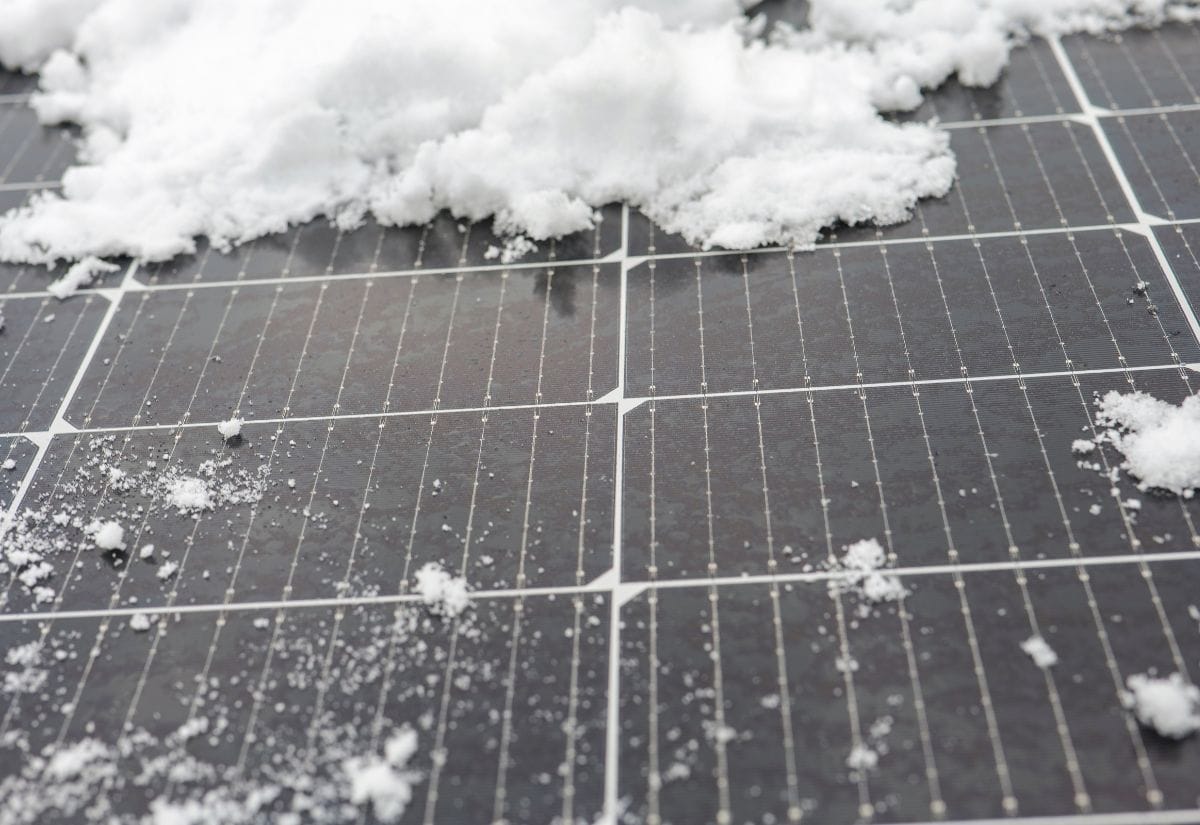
(109, 536)
(497, 109)
(231, 428)
(146, 552)
(139, 622)
(1171, 706)
(1040, 651)
(1160, 441)
(445, 594)
(79, 275)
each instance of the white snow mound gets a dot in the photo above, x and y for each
(1171, 706)
(1160, 441)
(233, 119)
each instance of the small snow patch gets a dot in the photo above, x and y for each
(231, 428)
(1160, 441)
(80, 274)
(444, 594)
(1040, 651)
(1170, 706)
(108, 535)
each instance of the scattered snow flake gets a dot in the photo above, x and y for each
(168, 570)
(9, 464)
(1171, 706)
(1040, 651)
(146, 552)
(1082, 446)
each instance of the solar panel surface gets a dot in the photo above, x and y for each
(642, 457)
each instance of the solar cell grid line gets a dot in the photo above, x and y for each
(785, 707)
(1139, 68)
(1083, 268)
(35, 154)
(1104, 320)
(344, 582)
(143, 522)
(439, 754)
(195, 702)
(937, 805)
(1122, 177)
(1030, 87)
(500, 800)
(1179, 243)
(1081, 796)
(569, 759)
(75, 442)
(24, 426)
(1008, 799)
(865, 804)
(286, 592)
(1164, 179)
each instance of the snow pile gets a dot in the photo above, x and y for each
(1171, 706)
(108, 535)
(444, 594)
(1040, 651)
(862, 562)
(232, 119)
(231, 428)
(1160, 441)
(78, 276)
(189, 494)
(385, 781)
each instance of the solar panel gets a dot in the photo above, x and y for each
(643, 457)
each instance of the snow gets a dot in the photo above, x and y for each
(444, 594)
(862, 758)
(109, 535)
(384, 782)
(189, 495)
(1160, 441)
(9, 464)
(1040, 651)
(1170, 705)
(233, 120)
(78, 276)
(864, 560)
(139, 622)
(231, 428)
